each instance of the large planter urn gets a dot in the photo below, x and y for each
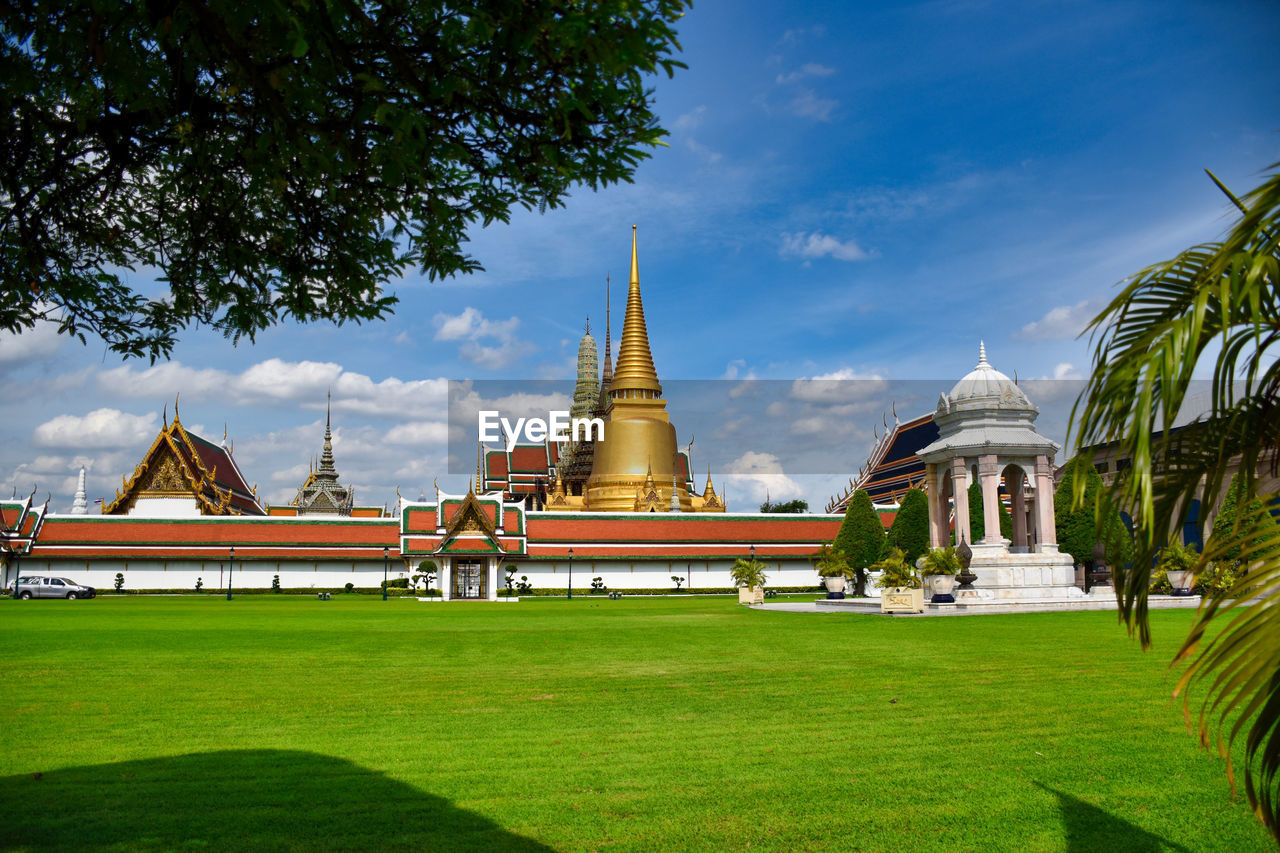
(901, 599)
(835, 586)
(751, 595)
(941, 587)
(1182, 581)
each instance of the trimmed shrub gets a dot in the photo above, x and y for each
(910, 528)
(119, 581)
(861, 538)
(1077, 530)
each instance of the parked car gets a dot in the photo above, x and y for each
(39, 586)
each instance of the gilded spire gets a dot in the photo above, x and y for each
(635, 370)
(326, 469)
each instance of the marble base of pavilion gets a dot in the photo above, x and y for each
(1105, 600)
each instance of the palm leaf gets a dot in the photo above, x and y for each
(1215, 304)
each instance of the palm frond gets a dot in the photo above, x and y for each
(1215, 304)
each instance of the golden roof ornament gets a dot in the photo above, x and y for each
(635, 371)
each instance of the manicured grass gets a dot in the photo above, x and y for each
(275, 722)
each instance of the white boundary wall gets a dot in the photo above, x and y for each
(321, 574)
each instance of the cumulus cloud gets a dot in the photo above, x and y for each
(1062, 322)
(758, 475)
(100, 428)
(839, 388)
(819, 245)
(274, 380)
(39, 342)
(472, 327)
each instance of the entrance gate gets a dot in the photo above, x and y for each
(468, 579)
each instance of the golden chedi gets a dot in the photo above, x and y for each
(639, 446)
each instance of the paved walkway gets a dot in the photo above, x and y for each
(871, 606)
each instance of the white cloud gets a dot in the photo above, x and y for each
(424, 432)
(690, 120)
(758, 475)
(806, 104)
(809, 69)
(472, 327)
(306, 383)
(1067, 371)
(39, 342)
(818, 245)
(1063, 322)
(839, 388)
(99, 428)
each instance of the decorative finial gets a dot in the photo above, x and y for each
(175, 407)
(588, 329)
(982, 354)
(164, 415)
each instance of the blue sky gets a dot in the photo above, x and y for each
(850, 190)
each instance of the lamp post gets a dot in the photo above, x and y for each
(386, 551)
(571, 574)
(231, 564)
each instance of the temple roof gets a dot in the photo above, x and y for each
(321, 492)
(180, 463)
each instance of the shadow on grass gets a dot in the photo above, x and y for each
(1089, 828)
(250, 799)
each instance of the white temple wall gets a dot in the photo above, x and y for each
(182, 574)
(253, 574)
(651, 574)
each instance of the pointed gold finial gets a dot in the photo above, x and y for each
(635, 371)
(175, 408)
(164, 415)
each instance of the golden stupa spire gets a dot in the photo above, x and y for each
(634, 371)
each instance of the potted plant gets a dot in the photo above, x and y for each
(748, 577)
(834, 568)
(1178, 562)
(899, 583)
(939, 568)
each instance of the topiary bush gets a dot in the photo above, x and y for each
(1077, 528)
(119, 581)
(861, 538)
(910, 528)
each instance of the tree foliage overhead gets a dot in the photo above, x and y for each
(285, 160)
(1215, 307)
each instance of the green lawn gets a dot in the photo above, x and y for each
(285, 722)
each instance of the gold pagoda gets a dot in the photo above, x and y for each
(634, 465)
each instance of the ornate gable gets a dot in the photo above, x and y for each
(181, 464)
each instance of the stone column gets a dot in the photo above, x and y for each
(960, 494)
(989, 476)
(934, 494)
(446, 578)
(1018, 500)
(1046, 532)
(491, 587)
